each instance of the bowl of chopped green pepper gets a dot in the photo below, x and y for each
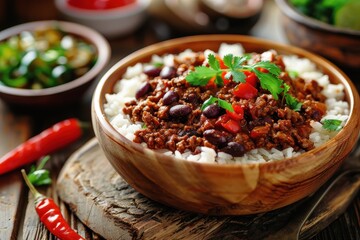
(49, 63)
(328, 28)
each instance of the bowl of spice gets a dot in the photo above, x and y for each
(49, 63)
(225, 124)
(113, 18)
(328, 28)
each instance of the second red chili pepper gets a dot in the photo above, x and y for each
(51, 139)
(50, 215)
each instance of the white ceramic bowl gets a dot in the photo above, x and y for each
(111, 23)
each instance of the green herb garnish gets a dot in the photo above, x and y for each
(269, 81)
(222, 103)
(291, 101)
(38, 175)
(332, 124)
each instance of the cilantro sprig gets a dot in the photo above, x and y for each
(38, 175)
(221, 103)
(236, 66)
(332, 124)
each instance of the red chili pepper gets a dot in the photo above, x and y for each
(245, 90)
(51, 139)
(50, 214)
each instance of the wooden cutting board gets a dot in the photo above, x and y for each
(104, 202)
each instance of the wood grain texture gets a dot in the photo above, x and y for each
(11, 185)
(110, 207)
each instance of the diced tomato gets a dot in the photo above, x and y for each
(251, 78)
(264, 70)
(211, 83)
(238, 113)
(228, 124)
(223, 75)
(221, 62)
(245, 90)
(232, 126)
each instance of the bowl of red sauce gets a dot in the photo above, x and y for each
(112, 18)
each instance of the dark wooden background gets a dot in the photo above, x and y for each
(18, 219)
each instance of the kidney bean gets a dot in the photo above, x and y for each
(212, 111)
(180, 111)
(170, 97)
(192, 98)
(215, 137)
(235, 149)
(144, 89)
(168, 72)
(152, 71)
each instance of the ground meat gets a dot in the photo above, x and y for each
(173, 119)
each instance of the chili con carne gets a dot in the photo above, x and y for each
(50, 214)
(49, 140)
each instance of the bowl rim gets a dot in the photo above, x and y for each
(114, 13)
(292, 13)
(99, 114)
(100, 43)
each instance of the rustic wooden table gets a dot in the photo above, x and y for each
(18, 219)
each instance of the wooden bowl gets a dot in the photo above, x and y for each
(64, 94)
(213, 188)
(338, 45)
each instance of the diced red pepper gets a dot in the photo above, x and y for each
(223, 76)
(232, 126)
(237, 114)
(221, 63)
(228, 124)
(251, 78)
(211, 83)
(264, 70)
(245, 90)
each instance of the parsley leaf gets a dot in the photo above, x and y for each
(291, 101)
(332, 124)
(222, 103)
(201, 76)
(270, 83)
(213, 62)
(39, 176)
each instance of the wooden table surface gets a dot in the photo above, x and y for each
(18, 219)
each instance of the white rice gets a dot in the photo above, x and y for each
(125, 90)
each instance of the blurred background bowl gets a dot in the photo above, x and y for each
(340, 45)
(185, 17)
(112, 22)
(65, 93)
(222, 188)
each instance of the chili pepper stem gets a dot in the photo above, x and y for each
(33, 190)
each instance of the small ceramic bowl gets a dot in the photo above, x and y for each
(114, 22)
(66, 93)
(222, 189)
(338, 45)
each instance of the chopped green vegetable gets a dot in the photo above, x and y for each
(39, 176)
(222, 103)
(341, 13)
(332, 124)
(27, 59)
